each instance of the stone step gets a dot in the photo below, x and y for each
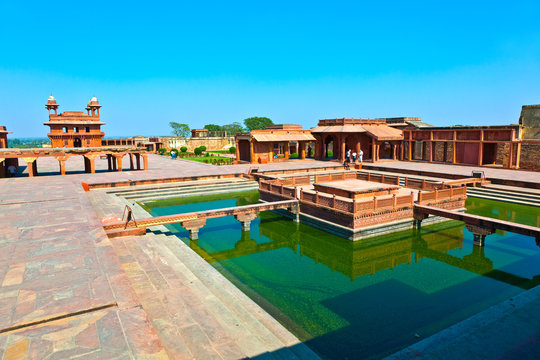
(507, 194)
(182, 307)
(499, 198)
(185, 188)
(255, 318)
(185, 185)
(194, 192)
(250, 335)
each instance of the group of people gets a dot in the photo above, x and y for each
(354, 156)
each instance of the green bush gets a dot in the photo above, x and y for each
(202, 147)
(294, 156)
(232, 150)
(330, 154)
(183, 149)
(162, 151)
(198, 151)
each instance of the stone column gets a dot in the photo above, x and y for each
(131, 161)
(109, 162)
(373, 150)
(245, 219)
(302, 146)
(251, 153)
(287, 150)
(343, 146)
(62, 163)
(193, 226)
(518, 154)
(138, 159)
(90, 158)
(145, 161)
(3, 169)
(31, 164)
(119, 160)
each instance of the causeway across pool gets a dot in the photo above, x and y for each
(370, 298)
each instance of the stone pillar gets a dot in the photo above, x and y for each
(131, 161)
(302, 148)
(145, 161)
(287, 150)
(418, 217)
(251, 153)
(193, 226)
(373, 150)
(31, 164)
(3, 169)
(62, 163)
(479, 233)
(109, 162)
(245, 219)
(119, 160)
(138, 159)
(518, 154)
(113, 160)
(511, 156)
(90, 158)
(343, 147)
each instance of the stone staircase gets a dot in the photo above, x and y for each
(184, 189)
(195, 310)
(516, 195)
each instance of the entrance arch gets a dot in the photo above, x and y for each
(77, 142)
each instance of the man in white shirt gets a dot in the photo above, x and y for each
(360, 155)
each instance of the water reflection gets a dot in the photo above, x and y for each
(366, 257)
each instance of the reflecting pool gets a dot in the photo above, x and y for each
(372, 297)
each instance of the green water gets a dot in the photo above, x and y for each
(373, 297)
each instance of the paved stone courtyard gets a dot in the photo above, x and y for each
(67, 291)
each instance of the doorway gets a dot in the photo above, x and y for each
(77, 142)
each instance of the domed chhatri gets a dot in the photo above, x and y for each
(74, 128)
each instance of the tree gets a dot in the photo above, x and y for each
(213, 127)
(198, 151)
(232, 150)
(257, 123)
(179, 129)
(234, 128)
(183, 149)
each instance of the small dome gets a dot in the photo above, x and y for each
(51, 98)
(93, 99)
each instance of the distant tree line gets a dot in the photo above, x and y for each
(252, 123)
(28, 142)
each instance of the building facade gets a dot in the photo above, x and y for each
(275, 143)
(373, 137)
(74, 129)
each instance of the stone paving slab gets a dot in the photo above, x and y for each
(95, 335)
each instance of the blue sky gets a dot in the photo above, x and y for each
(200, 62)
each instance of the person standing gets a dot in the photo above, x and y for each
(354, 157)
(360, 155)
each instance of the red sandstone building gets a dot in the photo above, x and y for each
(275, 143)
(374, 137)
(73, 129)
(468, 145)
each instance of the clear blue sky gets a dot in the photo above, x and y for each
(199, 62)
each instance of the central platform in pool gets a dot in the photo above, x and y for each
(356, 189)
